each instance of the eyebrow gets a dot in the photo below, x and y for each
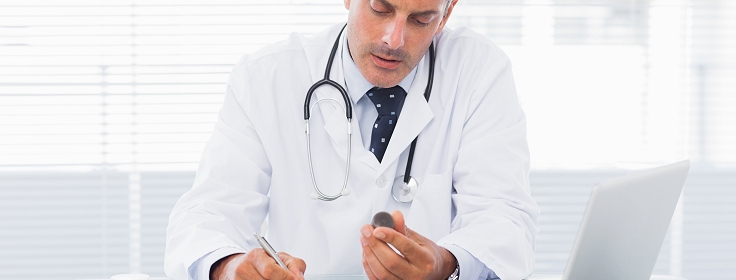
(422, 13)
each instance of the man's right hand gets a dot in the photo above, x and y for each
(257, 264)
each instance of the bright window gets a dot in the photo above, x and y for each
(105, 107)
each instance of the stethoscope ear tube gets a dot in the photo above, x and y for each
(317, 194)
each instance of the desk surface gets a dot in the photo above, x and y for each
(532, 277)
(363, 277)
(559, 277)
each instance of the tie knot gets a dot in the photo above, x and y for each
(388, 101)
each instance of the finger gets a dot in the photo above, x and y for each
(387, 255)
(399, 224)
(376, 266)
(367, 269)
(268, 268)
(408, 246)
(295, 265)
(418, 238)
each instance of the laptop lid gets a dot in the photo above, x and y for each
(625, 223)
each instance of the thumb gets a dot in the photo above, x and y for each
(399, 224)
(294, 265)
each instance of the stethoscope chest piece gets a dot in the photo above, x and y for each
(404, 192)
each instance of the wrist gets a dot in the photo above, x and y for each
(449, 265)
(455, 274)
(217, 268)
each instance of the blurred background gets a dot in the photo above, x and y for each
(105, 107)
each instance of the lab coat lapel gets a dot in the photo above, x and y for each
(415, 115)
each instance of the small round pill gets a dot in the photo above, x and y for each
(383, 219)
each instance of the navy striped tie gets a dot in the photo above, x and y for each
(388, 103)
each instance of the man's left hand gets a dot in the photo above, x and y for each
(422, 258)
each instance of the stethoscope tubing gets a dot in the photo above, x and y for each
(427, 93)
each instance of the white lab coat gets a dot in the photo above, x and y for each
(471, 163)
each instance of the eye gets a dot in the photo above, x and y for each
(379, 10)
(419, 22)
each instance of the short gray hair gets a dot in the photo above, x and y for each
(447, 7)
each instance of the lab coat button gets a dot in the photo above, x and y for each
(381, 181)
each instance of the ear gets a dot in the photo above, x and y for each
(347, 4)
(447, 16)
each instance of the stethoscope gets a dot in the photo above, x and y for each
(406, 190)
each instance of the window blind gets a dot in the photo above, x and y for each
(105, 108)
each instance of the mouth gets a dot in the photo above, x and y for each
(386, 63)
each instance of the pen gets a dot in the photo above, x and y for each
(271, 252)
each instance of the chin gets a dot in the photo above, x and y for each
(385, 80)
(384, 84)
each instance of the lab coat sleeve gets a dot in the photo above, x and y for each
(470, 267)
(495, 217)
(228, 201)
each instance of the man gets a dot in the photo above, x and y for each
(472, 215)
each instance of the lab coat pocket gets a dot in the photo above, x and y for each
(431, 210)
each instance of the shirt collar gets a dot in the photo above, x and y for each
(356, 84)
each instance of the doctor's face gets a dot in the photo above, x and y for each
(388, 38)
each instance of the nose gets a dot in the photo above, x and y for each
(394, 36)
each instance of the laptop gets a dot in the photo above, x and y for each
(625, 223)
